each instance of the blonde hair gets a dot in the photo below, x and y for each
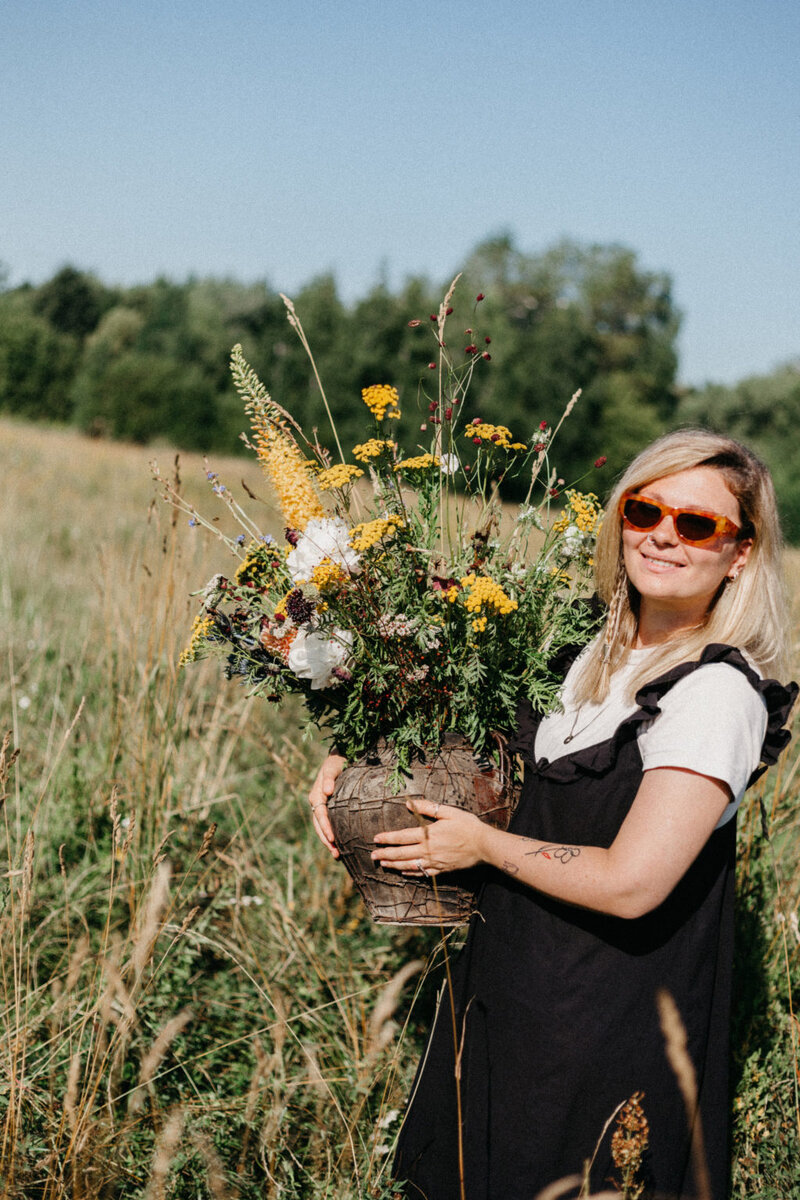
(749, 613)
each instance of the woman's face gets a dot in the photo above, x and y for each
(677, 581)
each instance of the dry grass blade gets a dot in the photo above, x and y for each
(155, 1055)
(215, 1172)
(674, 1032)
(382, 1028)
(149, 926)
(554, 1191)
(164, 1155)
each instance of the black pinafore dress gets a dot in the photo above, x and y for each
(555, 1007)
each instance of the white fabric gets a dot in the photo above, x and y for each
(712, 721)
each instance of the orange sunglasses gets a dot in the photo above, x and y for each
(692, 525)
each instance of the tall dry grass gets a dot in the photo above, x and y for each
(192, 1002)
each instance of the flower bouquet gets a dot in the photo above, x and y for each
(410, 608)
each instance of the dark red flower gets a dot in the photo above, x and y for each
(431, 366)
(539, 447)
(476, 441)
(554, 492)
(471, 349)
(432, 407)
(601, 461)
(486, 355)
(476, 421)
(479, 297)
(488, 341)
(448, 311)
(434, 317)
(543, 424)
(448, 413)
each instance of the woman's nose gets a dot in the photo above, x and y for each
(664, 532)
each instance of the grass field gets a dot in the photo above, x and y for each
(193, 1001)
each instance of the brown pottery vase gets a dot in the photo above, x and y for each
(363, 804)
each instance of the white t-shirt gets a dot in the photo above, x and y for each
(712, 722)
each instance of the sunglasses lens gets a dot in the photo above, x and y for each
(694, 527)
(642, 515)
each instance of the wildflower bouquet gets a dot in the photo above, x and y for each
(402, 601)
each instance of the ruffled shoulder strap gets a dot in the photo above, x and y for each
(599, 758)
(779, 698)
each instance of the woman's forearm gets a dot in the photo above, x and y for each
(586, 876)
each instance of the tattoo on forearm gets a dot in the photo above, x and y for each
(563, 854)
(510, 867)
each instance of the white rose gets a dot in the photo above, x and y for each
(313, 655)
(324, 537)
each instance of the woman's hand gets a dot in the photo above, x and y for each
(321, 790)
(452, 841)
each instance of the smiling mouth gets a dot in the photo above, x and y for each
(661, 562)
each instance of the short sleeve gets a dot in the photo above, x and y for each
(712, 721)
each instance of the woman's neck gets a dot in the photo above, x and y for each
(657, 626)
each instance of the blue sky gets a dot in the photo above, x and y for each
(266, 140)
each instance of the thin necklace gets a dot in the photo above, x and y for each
(573, 733)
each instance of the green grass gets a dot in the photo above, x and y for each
(193, 1001)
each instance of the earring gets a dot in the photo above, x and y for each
(734, 575)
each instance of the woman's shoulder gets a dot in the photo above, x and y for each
(722, 700)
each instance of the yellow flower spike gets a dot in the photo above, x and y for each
(286, 470)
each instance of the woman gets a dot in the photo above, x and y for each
(614, 882)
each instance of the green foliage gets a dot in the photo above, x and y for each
(288, 1079)
(149, 362)
(764, 412)
(764, 1041)
(37, 362)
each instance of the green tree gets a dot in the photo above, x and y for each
(72, 301)
(36, 362)
(762, 411)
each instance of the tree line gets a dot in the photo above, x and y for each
(151, 361)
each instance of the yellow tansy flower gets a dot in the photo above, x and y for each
(337, 476)
(420, 463)
(201, 627)
(370, 533)
(483, 592)
(374, 448)
(498, 435)
(327, 574)
(382, 400)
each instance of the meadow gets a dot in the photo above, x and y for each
(194, 1003)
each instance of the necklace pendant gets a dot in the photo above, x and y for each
(568, 738)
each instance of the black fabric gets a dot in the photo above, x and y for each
(555, 1007)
